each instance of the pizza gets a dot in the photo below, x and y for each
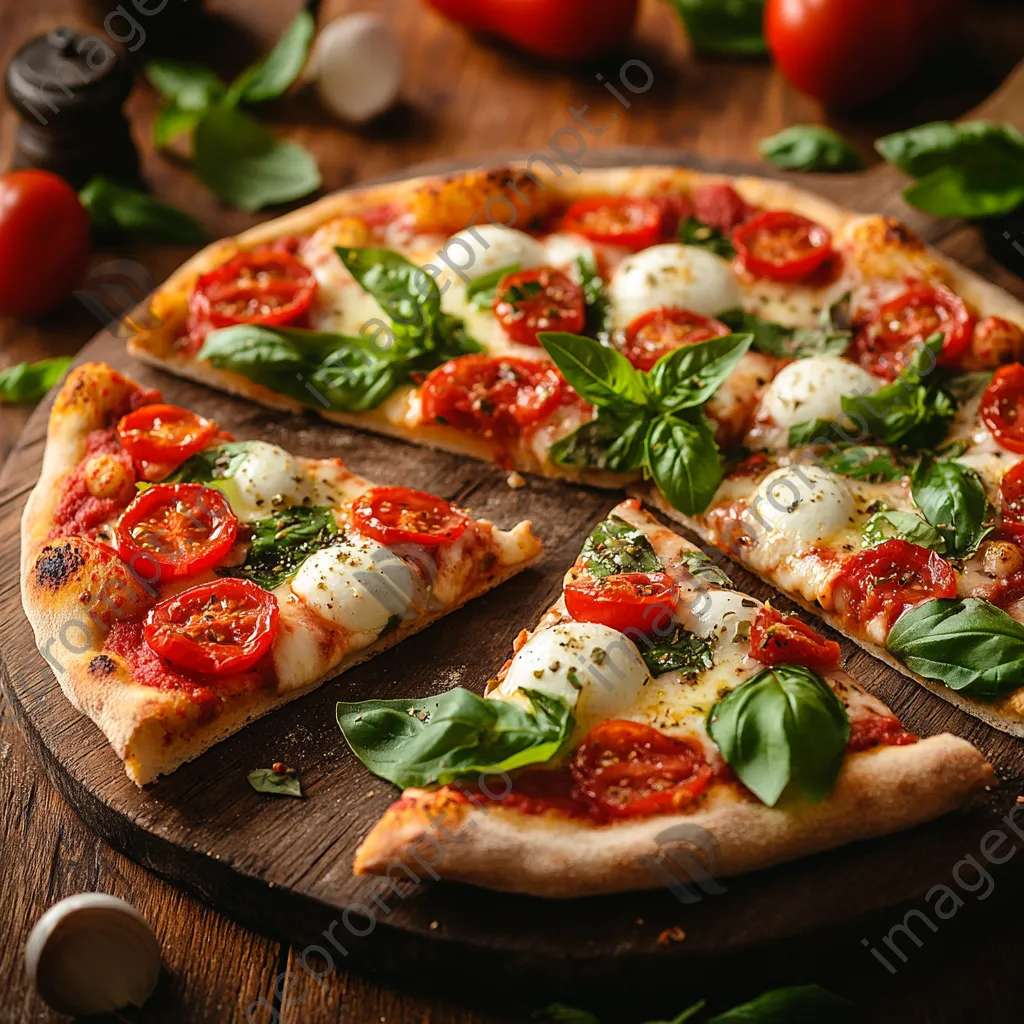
(653, 703)
(182, 583)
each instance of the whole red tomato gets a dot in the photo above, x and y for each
(45, 240)
(557, 29)
(845, 52)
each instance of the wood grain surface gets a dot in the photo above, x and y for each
(489, 100)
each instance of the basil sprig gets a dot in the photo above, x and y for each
(810, 147)
(705, 236)
(283, 541)
(784, 725)
(971, 169)
(968, 644)
(616, 547)
(865, 462)
(909, 526)
(654, 419)
(434, 740)
(734, 27)
(116, 210)
(952, 498)
(26, 383)
(831, 337)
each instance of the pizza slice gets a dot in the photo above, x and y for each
(652, 702)
(181, 583)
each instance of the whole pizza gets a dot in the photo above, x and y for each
(813, 392)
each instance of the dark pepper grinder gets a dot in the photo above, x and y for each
(68, 88)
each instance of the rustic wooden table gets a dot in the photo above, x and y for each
(459, 98)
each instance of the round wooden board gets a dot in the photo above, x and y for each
(284, 866)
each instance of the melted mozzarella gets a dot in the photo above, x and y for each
(562, 250)
(672, 275)
(358, 585)
(483, 249)
(268, 478)
(722, 616)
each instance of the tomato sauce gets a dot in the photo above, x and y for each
(534, 791)
(878, 731)
(79, 513)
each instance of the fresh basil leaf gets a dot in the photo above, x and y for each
(830, 338)
(614, 546)
(114, 209)
(968, 644)
(597, 307)
(406, 292)
(689, 376)
(865, 462)
(190, 87)
(810, 147)
(704, 569)
(782, 726)
(266, 780)
(282, 542)
(704, 236)
(272, 76)
(355, 378)
(802, 1004)
(952, 498)
(733, 27)
(610, 441)
(681, 456)
(599, 374)
(684, 1015)
(433, 740)
(562, 1013)
(909, 526)
(819, 432)
(682, 651)
(26, 383)
(211, 464)
(484, 290)
(172, 121)
(951, 192)
(246, 165)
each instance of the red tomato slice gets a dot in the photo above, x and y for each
(782, 246)
(660, 330)
(495, 396)
(782, 639)
(218, 628)
(888, 579)
(628, 769)
(873, 730)
(265, 287)
(539, 300)
(720, 206)
(164, 433)
(176, 530)
(624, 601)
(885, 346)
(1011, 501)
(395, 515)
(628, 221)
(1002, 406)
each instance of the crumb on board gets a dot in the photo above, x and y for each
(515, 480)
(673, 934)
(434, 925)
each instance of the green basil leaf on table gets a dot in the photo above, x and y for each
(801, 1004)
(681, 457)
(909, 526)
(610, 442)
(952, 192)
(830, 338)
(114, 209)
(434, 740)
(968, 644)
(733, 27)
(27, 383)
(484, 290)
(684, 1015)
(952, 498)
(599, 374)
(596, 306)
(810, 147)
(682, 651)
(211, 464)
(266, 780)
(687, 377)
(865, 462)
(282, 542)
(274, 74)
(704, 236)
(189, 91)
(783, 726)
(245, 164)
(614, 546)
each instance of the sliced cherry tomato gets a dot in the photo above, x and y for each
(175, 530)
(873, 730)
(218, 628)
(660, 330)
(888, 579)
(629, 221)
(720, 206)
(782, 246)
(1011, 501)
(886, 344)
(628, 769)
(539, 300)
(624, 601)
(396, 515)
(499, 397)
(164, 433)
(782, 639)
(995, 341)
(1002, 406)
(264, 287)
